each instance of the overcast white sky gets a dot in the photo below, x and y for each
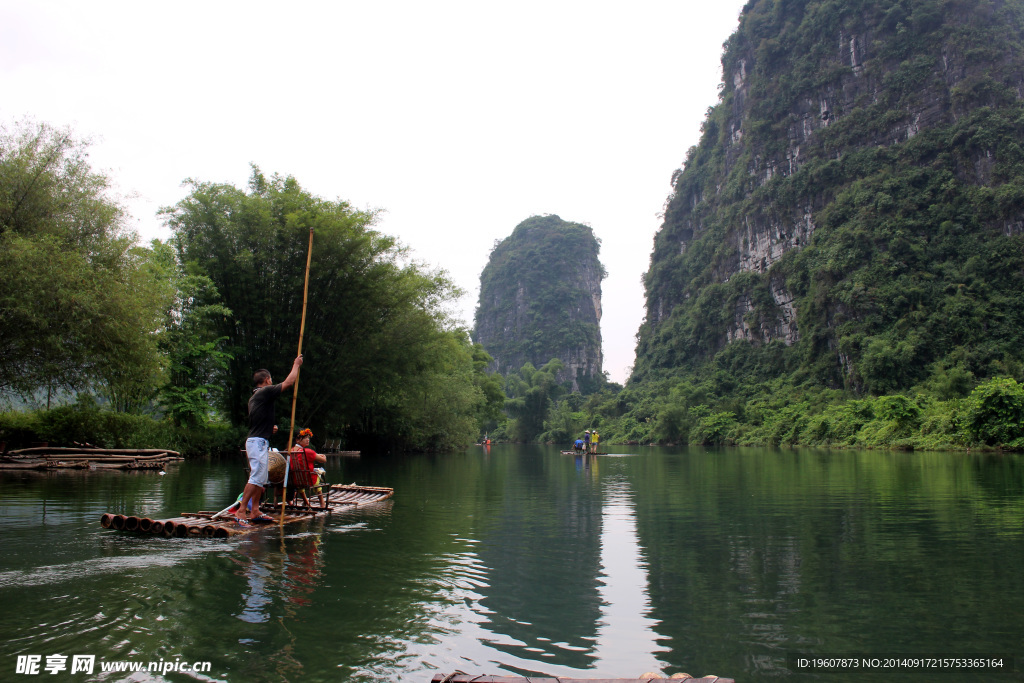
(459, 119)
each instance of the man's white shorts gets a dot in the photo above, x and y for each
(258, 451)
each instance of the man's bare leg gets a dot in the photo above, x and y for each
(256, 502)
(252, 493)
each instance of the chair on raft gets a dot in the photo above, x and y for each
(304, 481)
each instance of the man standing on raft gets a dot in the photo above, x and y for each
(257, 446)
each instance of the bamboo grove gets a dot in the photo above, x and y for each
(167, 335)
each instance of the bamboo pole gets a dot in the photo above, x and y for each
(295, 393)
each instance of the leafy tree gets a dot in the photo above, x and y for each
(440, 406)
(378, 344)
(491, 412)
(194, 353)
(994, 413)
(77, 307)
(565, 422)
(715, 428)
(531, 395)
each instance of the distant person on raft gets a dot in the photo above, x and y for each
(257, 446)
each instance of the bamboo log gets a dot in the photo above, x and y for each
(80, 449)
(125, 466)
(145, 524)
(356, 487)
(72, 465)
(99, 457)
(157, 527)
(117, 522)
(131, 523)
(171, 525)
(106, 519)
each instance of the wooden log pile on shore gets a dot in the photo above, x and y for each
(88, 457)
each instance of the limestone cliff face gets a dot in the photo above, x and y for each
(819, 96)
(540, 298)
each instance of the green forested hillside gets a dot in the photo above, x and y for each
(848, 235)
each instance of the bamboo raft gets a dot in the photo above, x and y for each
(88, 457)
(208, 525)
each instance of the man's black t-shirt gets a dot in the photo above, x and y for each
(261, 411)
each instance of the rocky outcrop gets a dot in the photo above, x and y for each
(817, 95)
(540, 298)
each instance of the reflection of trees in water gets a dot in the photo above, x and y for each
(543, 557)
(826, 552)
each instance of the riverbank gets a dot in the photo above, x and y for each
(671, 411)
(86, 422)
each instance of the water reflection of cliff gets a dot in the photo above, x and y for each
(543, 552)
(825, 552)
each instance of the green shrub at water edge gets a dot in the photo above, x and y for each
(779, 415)
(994, 413)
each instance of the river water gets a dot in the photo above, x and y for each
(522, 561)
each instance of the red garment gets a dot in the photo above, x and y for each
(303, 458)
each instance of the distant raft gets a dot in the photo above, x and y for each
(338, 497)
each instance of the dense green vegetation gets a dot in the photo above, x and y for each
(158, 345)
(895, 126)
(383, 363)
(676, 411)
(77, 302)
